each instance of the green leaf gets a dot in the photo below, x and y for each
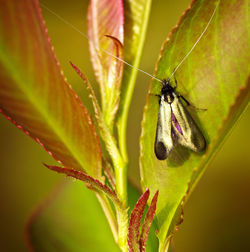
(35, 95)
(136, 21)
(106, 33)
(215, 76)
(71, 219)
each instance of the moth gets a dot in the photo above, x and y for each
(175, 125)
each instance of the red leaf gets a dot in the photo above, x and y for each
(135, 222)
(91, 93)
(104, 131)
(96, 184)
(34, 93)
(105, 17)
(105, 20)
(147, 222)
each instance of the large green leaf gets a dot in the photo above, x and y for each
(215, 77)
(34, 93)
(71, 219)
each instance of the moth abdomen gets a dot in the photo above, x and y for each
(160, 150)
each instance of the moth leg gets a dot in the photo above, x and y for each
(189, 104)
(159, 96)
(175, 83)
(185, 100)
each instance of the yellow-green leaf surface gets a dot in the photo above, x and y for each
(214, 77)
(34, 93)
(71, 220)
(136, 20)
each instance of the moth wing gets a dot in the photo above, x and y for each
(190, 135)
(163, 138)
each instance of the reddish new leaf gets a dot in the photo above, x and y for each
(34, 93)
(135, 222)
(92, 183)
(105, 30)
(91, 93)
(105, 133)
(147, 222)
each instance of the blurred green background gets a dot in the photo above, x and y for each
(217, 215)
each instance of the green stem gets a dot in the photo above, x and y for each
(121, 183)
(120, 231)
(122, 218)
(120, 168)
(128, 91)
(164, 247)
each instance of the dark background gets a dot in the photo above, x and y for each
(217, 215)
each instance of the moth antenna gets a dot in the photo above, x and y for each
(84, 35)
(205, 29)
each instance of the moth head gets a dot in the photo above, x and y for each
(166, 87)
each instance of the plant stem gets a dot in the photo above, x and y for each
(120, 168)
(122, 214)
(165, 246)
(118, 227)
(122, 218)
(121, 183)
(130, 83)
